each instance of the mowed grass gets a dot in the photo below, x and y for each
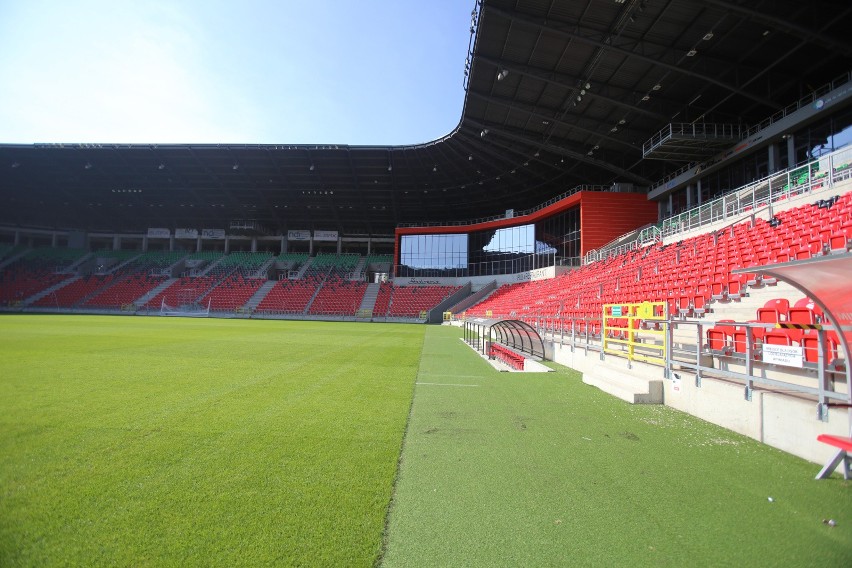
(542, 470)
(154, 441)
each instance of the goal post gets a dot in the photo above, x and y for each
(188, 305)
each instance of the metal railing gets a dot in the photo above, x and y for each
(827, 379)
(821, 172)
(807, 100)
(493, 268)
(693, 129)
(830, 375)
(605, 253)
(518, 213)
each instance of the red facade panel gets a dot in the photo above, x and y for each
(605, 216)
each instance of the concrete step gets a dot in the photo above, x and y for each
(153, 292)
(261, 293)
(625, 385)
(368, 302)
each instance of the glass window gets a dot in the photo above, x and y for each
(435, 253)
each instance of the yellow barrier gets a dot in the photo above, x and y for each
(628, 327)
(448, 316)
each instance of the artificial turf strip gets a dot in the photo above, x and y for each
(156, 441)
(541, 470)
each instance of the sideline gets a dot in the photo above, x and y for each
(446, 385)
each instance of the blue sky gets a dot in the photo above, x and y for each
(368, 72)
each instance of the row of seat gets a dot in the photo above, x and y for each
(288, 297)
(689, 276)
(409, 301)
(74, 292)
(338, 297)
(124, 291)
(231, 293)
(726, 338)
(185, 290)
(506, 355)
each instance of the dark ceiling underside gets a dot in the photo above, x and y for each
(559, 93)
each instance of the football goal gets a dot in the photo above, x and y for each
(188, 305)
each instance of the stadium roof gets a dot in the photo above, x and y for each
(558, 93)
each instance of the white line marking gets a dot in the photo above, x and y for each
(455, 376)
(446, 385)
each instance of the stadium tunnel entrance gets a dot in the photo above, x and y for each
(515, 334)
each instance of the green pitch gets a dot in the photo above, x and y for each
(537, 470)
(163, 442)
(130, 441)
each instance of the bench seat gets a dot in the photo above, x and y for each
(844, 445)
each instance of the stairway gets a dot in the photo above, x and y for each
(370, 296)
(36, 297)
(74, 265)
(156, 290)
(314, 297)
(14, 258)
(211, 266)
(263, 271)
(258, 296)
(304, 268)
(117, 267)
(478, 296)
(358, 271)
(625, 384)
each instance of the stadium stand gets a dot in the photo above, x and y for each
(36, 271)
(74, 292)
(691, 275)
(325, 265)
(383, 299)
(233, 292)
(288, 297)
(414, 301)
(123, 292)
(243, 263)
(186, 289)
(338, 297)
(292, 260)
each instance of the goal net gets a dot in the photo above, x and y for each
(188, 305)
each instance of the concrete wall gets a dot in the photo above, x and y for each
(478, 282)
(785, 421)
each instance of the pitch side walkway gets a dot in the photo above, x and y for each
(512, 469)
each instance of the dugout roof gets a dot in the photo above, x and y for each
(558, 93)
(513, 333)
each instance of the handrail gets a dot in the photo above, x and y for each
(521, 213)
(706, 129)
(635, 235)
(825, 170)
(766, 123)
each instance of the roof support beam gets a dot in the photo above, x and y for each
(565, 81)
(533, 112)
(559, 150)
(627, 53)
(813, 36)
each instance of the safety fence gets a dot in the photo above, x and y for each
(637, 331)
(748, 354)
(824, 171)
